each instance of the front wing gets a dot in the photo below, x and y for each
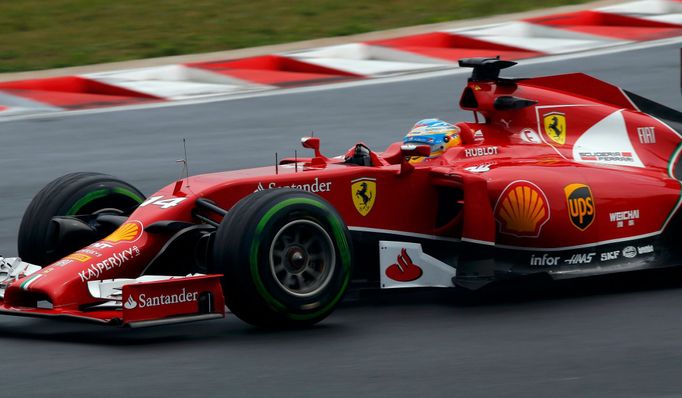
(149, 300)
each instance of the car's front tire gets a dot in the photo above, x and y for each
(70, 195)
(286, 257)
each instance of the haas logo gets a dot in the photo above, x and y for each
(404, 270)
(130, 304)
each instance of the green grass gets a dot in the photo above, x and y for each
(42, 34)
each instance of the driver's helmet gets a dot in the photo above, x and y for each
(439, 135)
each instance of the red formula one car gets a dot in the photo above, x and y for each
(562, 175)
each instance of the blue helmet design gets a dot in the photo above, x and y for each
(436, 133)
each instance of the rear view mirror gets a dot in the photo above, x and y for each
(415, 150)
(314, 144)
(412, 150)
(311, 142)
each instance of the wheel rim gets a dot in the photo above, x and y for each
(302, 259)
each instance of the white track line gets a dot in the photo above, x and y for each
(336, 86)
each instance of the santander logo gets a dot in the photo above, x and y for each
(404, 270)
(130, 304)
(144, 300)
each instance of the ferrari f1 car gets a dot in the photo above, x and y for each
(563, 175)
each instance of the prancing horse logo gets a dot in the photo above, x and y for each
(555, 127)
(364, 191)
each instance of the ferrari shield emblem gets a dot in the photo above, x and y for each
(364, 191)
(555, 127)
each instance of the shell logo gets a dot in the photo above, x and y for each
(522, 209)
(128, 232)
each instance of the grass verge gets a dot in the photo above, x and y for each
(43, 34)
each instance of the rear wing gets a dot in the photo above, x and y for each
(485, 69)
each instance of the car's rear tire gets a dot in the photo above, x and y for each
(70, 195)
(286, 257)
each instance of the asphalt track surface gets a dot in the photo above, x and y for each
(608, 336)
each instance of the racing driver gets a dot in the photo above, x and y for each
(439, 135)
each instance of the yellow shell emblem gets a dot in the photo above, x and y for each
(364, 191)
(522, 209)
(128, 232)
(78, 257)
(555, 127)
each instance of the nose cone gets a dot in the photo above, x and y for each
(64, 283)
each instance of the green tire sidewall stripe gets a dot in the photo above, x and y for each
(126, 192)
(339, 237)
(98, 194)
(88, 198)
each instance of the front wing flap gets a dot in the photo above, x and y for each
(145, 301)
(168, 301)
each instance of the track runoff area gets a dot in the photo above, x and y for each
(416, 50)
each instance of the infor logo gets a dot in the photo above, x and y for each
(580, 203)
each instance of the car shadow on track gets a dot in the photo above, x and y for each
(85, 334)
(530, 289)
(509, 294)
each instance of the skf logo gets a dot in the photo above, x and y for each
(555, 127)
(580, 205)
(404, 270)
(522, 209)
(364, 191)
(128, 232)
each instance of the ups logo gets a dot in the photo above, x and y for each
(580, 203)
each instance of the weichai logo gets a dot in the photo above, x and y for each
(581, 208)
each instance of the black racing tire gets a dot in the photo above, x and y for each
(272, 276)
(69, 195)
